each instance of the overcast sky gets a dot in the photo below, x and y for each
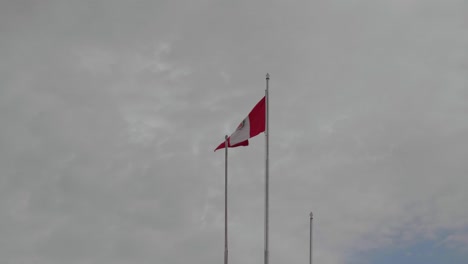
(110, 111)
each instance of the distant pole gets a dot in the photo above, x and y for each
(310, 243)
(225, 200)
(267, 134)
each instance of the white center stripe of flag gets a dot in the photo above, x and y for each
(242, 133)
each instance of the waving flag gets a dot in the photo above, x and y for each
(251, 126)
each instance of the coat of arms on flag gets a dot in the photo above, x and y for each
(241, 125)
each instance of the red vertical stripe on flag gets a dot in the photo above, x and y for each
(257, 118)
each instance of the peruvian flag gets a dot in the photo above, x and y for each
(251, 126)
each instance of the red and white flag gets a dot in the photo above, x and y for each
(251, 126)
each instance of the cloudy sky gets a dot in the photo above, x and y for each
(110, 111)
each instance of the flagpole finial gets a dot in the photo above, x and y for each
(268, 76)
(311, 215)
(226, 136)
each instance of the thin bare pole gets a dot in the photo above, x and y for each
(310, 243)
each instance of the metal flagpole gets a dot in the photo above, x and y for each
(267, 134)
(225, 200)
(310, 243)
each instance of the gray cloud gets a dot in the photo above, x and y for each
(110, 112)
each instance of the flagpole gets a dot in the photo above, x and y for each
(310, 242)
(225, 200)
(267, 134)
